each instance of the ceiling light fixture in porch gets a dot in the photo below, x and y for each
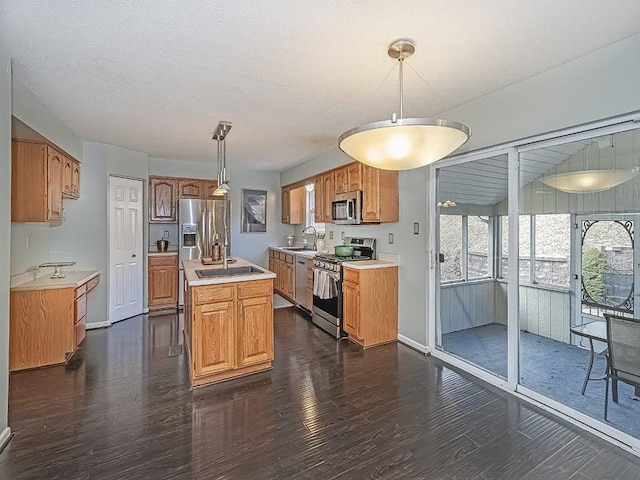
(589, 181)
(220, 134)
(403, 143)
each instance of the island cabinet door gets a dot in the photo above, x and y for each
(255, 330)
(213, 338)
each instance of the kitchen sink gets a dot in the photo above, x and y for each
(224, 272)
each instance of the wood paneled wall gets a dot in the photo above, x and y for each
(542, 311)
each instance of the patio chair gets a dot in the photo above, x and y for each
(623, 340)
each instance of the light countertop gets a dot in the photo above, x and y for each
(190, 267)
(73, 279)
(302, 253)
(368, 264)
(155, 253)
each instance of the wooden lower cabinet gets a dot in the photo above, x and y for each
(163, 282)
(229, 330)
(47, 325)
(255, 330)
(370, 305)
(283, 265)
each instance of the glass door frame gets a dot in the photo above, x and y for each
(511, 383)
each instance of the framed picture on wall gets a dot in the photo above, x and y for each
(254, 211)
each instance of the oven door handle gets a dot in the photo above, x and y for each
(332, 275)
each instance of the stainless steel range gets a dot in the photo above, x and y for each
(327, 284)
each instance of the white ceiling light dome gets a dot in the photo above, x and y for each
(403, 143)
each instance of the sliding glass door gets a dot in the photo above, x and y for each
(533, 246)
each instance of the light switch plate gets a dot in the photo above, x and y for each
(330, 234)
(342, 235)
(390, 238)
(416, 228)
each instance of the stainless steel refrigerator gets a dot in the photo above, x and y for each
(200, 221)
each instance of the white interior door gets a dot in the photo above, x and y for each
(125, 248)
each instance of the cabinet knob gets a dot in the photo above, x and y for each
(133, 256)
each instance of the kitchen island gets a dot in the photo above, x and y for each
(228, 320)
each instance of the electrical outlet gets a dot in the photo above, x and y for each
(330, 234)
(165, 235)
(416, 228)
(390, 238)
(342, 235)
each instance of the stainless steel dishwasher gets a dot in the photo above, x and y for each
(300, 291)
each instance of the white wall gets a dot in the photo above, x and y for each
(5, 224)
(90, 216)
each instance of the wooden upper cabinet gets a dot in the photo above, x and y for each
(354, 176)
(39, 176)
(55, 170)
(210, 187)
(67, 177)
(286, 204)
(328, 193)
(163, 194)
(75, 180)
(318, 191)
(348, 178)
(380, 202)
(297, 205)
(190, 188)
(70, 178)
(341, 184)
(293, 205)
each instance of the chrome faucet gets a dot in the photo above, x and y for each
(315, 234)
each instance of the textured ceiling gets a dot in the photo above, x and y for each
(290, 75)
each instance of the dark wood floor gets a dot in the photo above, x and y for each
(123, 410)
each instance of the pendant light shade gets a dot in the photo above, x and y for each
(588, 181)
(403, 143)
(407, 143)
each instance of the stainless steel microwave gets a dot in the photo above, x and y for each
(346, 208)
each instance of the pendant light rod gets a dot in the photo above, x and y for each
(220, 134)
(401, 60)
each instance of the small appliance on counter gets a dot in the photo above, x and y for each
(290, 239)
(162, 245)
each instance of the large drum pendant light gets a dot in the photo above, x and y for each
(403, 143)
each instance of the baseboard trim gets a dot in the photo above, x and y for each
(91, 326)
(5, 436)
(413, 344)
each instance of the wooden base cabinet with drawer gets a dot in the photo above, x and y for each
(47, 325)
(282, 264)
(163, 282)
(370, 305)
(229, 330)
